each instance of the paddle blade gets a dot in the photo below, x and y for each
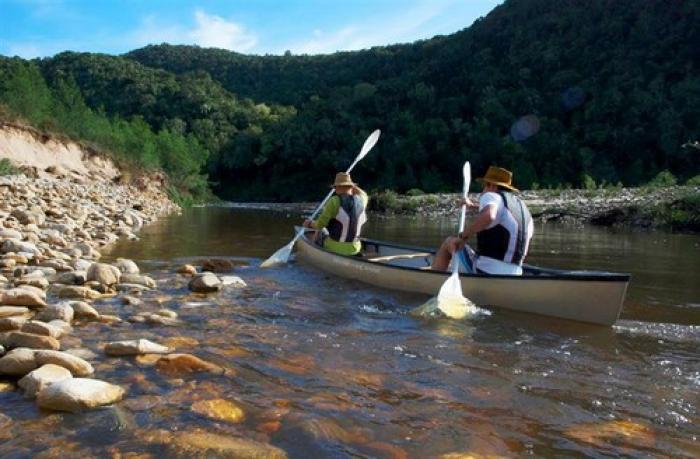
(450, 302)
(450, 299)
(280, 257)
(369, 144)
(467, 178)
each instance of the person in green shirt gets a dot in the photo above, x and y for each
(342, 217)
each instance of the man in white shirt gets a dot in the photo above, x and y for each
(503, 228)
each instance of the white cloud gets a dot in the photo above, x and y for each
(216, 32)
(424, 19)
(209, 31)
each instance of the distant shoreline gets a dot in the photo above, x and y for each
(675, 208)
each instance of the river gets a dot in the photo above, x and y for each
(325, 367)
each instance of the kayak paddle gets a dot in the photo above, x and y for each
(282, 255)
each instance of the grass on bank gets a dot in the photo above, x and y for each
(7, 168)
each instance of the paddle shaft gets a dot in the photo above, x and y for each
(463, 210)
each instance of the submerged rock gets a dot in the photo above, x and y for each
(600, 434)
(148, 359)
(220, 410)
(78, 394)
(166, 313)
(218, 265)
(180, 341)
(199, 443)
(181, 364)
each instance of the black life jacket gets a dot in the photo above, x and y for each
(495, 242)
(346, 225)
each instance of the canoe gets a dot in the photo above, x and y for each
(586, 296)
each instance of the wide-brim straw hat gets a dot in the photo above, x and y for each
(342, 179)
(498, 176)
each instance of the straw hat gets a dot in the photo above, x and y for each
(342, 179)
(498, 176)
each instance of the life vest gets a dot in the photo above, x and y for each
(509, 239)
(346, 225)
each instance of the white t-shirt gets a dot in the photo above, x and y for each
(508, 221)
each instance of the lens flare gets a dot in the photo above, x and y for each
(525, 127)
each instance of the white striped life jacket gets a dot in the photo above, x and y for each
(347, 224)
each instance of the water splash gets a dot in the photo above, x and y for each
(456, 308)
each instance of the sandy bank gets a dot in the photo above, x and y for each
(35, 152)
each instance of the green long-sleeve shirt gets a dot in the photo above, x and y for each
(330, 210)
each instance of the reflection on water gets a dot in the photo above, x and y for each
(324, 367)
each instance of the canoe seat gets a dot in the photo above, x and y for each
(401, 256)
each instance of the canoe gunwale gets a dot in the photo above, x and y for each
(536, 273)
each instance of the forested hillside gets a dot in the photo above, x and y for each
(562, 92)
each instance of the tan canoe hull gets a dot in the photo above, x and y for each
(583, 296)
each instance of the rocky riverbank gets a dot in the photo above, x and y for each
(67, 319)
(51, 232)
(676, 208)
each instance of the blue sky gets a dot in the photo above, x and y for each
(40, 28)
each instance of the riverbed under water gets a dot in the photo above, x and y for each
(325, 367)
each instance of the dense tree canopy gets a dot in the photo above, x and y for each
(561, 92)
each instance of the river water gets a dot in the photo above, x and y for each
(325, 367)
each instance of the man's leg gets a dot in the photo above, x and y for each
(442, 258)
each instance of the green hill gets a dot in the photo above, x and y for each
(561, 92)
